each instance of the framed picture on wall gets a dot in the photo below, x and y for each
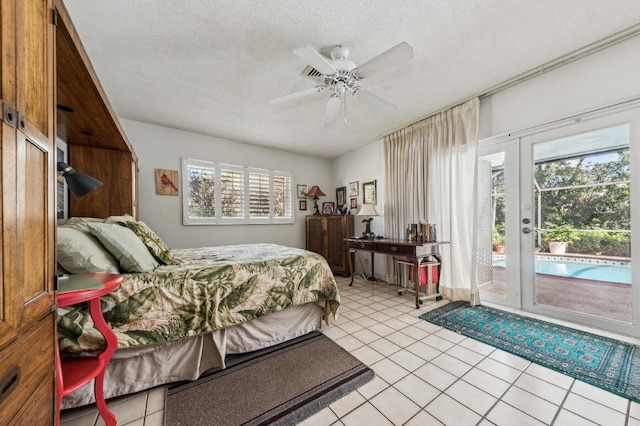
(354, 203)
(328, 207)
(369, 192)
(353, 189)
(302, 191)
(166, 182)
(341, 196)
(302, 205)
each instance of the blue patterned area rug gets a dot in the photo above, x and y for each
(603, 362)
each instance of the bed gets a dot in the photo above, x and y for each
(184, 310)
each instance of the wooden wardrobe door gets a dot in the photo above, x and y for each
(27, 325)
(35, 158)
(9, 316)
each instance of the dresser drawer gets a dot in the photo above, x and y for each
(396, 249)
(33, 353)
(363, 245)
(40, 407)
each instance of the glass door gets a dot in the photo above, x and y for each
(498, 234)
(576, 215)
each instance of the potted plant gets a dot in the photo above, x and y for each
(498, 238)
(558, 239)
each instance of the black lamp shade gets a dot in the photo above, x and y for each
(79, 183)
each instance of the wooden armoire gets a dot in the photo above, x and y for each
(325, 235)
(47, 88)
(27, 327)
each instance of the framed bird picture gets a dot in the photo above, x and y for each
(166, 182)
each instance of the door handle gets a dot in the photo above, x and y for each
(526, 230)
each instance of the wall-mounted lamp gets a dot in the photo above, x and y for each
(315, 192)
(368, 210)
(79, 183)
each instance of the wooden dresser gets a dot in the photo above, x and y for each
(325, 236)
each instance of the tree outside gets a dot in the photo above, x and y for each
(584, 201)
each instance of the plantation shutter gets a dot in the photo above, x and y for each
(232, 193)
(259, 194)
(282, 196)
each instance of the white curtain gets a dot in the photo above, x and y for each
(430, 171)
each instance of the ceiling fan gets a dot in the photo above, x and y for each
(341, 76)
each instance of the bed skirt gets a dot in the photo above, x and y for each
(135, 369)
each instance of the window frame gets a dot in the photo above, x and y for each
(245, 218)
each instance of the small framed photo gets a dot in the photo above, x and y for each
(302, 205)
(302, 191)
(328, 207)
(369, 192)
(353, 189)
(354, 203)
(341, 196)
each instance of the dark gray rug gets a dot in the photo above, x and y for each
(283, 385)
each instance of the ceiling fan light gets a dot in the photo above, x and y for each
(339, 52)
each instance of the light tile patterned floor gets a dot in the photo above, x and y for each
(425, 375)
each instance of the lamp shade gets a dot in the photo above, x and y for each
(79, 183)
(368, 210)
(315, 191)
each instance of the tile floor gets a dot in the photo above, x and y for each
(425, 375)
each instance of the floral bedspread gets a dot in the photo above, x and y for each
(207, 289)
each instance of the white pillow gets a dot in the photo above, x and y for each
(80, 252)
(125, 246)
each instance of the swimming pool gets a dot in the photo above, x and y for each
(609, 272)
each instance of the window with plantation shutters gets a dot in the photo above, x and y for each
(216, 193)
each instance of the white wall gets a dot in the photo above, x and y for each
(597, 80)
(363, 165)
(162, 148)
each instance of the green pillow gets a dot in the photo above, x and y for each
(79, 252)
(154, 243)
(125, 246)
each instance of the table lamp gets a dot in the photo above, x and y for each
(368, 210)
(315, 192)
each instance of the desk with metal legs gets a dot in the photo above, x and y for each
(414, 252)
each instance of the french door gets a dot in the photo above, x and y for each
(564, 203)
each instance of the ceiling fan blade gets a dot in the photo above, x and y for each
(332, 110)
(296, 95)
(375, 102)
(397, 54)
(316, 60)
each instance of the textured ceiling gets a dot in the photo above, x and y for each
(212, 66)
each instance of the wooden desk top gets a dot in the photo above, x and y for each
(395, 242)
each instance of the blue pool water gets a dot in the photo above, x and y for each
(615, 273)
